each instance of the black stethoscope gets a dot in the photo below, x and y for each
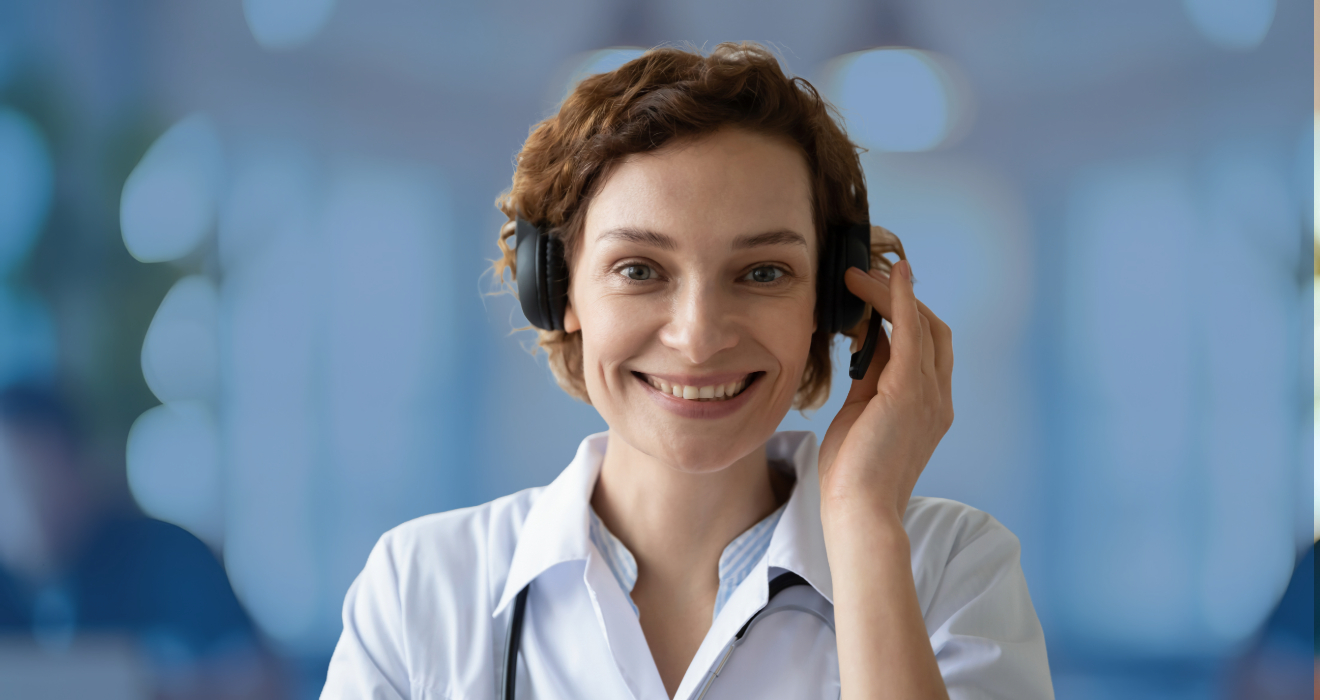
(813, 605)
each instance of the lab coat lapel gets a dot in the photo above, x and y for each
(555, 530)
(798, 544)
(623, 632)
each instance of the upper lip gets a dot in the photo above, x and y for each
(699, 381)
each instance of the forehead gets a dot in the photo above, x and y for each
(710, 189)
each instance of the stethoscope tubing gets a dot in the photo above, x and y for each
(513, 641)
(513, 638)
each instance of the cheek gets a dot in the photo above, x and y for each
(790, 342)
(611, 334)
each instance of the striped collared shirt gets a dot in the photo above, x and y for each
(736, 562)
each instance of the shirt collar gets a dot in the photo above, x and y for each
(737, 560)
(556, 528)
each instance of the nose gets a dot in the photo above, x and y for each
(701, 323)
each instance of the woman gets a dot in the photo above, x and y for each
(694, 198)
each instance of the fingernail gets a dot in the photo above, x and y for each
(905, 269)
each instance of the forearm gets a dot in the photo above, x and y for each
(884, 651)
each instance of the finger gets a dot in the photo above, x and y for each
(941, 334)
(942, 337)
(905, 342)
(871, 289)
(927, 349)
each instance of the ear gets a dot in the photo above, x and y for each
(571, 322)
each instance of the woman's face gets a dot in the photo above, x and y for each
(697, 270)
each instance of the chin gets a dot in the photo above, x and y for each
(699, 457)
(701, 451)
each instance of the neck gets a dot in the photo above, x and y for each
(677, 523)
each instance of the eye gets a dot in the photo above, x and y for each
(638, 273)
(765, 274)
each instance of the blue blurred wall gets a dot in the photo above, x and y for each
(253, 237)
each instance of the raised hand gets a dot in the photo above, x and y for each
(895, 416)
(870, 459)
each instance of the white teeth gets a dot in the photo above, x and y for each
(693, 393)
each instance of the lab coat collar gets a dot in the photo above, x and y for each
(798, 544)
(556, 528)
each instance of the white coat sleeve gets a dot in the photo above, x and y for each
(987, 639)
(370, 660)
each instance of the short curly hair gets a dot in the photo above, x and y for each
(668, 94)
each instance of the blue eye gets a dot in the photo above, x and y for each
(638, 273)
(765, 274)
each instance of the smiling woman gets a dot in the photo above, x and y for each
(671, 96)
(687, 226)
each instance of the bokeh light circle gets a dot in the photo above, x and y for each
(180, 355)
(169, 200)
(897, 99)
(26, 183)
(286, 24)
(580, 65)
(173, 462)
(1232, 24)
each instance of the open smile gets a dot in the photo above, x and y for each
(704, 398)
(714, 392)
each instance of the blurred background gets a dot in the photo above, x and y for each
(246, 322)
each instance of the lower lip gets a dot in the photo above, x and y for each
(687, 408)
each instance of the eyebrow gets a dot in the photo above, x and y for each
(639, 236)
(659, 240)
(784, 237)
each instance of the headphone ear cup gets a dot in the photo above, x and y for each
(854, 251)
(530, 297)
(555, 288)
(542, 276)
(827, 290)
(846, 246)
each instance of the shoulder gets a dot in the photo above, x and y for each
(419, 613)
(974, 600)
(957, 549)
(500, 518)
(465, 552)
(940, 524)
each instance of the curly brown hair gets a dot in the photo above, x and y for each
(668, 94)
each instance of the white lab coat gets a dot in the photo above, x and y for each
(426, 618)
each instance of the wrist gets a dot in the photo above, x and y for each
(856, 507)
(869, 524)
(857, 494)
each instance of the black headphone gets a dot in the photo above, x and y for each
(543, 283)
